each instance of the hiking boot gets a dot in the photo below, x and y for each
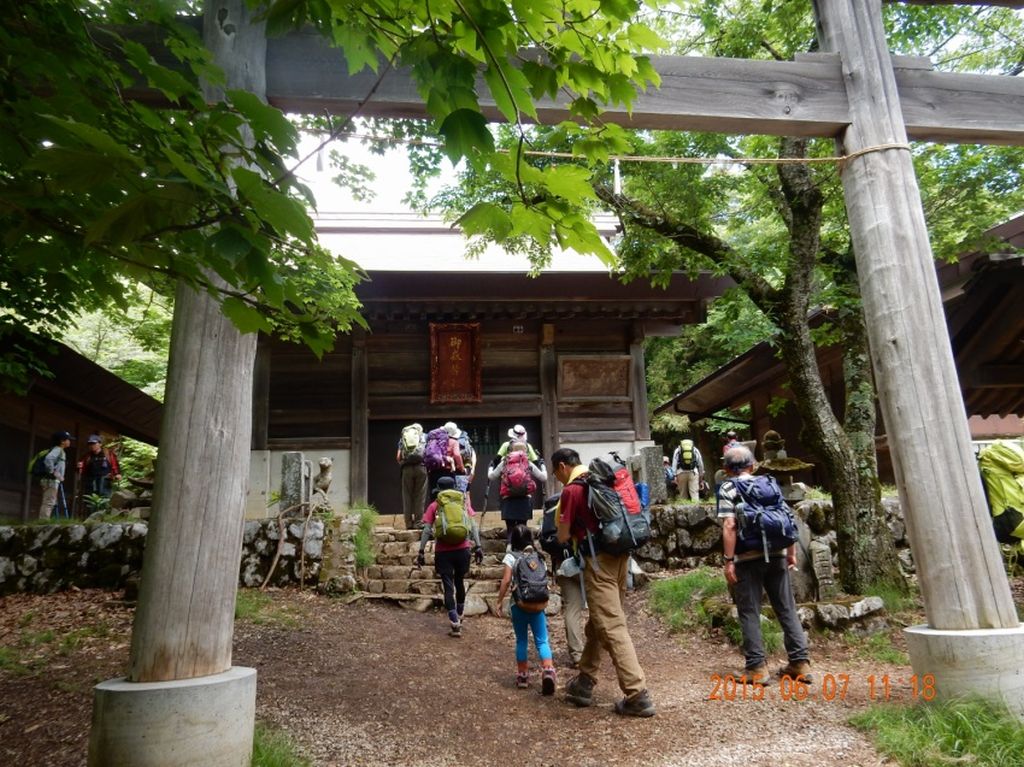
(547, 682)
(639, 705)
(797, 670)
(455, 630)
(522, 680)
(755, 675)
(580, 691)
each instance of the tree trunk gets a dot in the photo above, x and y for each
(867, 553)
(185, 620)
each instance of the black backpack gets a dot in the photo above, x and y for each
(763, 518)
(549, 528)
(530, 581)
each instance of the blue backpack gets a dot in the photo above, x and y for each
(763, 518)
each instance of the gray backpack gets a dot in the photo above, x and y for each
(530, 581)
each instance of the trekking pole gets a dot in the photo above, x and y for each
(64, 501)
(487, 491)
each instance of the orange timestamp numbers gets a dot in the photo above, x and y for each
(830, 687)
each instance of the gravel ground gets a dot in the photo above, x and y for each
(372, 684)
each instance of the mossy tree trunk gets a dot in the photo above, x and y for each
(867, 553)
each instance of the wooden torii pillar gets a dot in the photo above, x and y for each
(183, 702)
(974, 641)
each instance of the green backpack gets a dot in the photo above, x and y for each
(686, 459)
(37, 466)
(451, 520)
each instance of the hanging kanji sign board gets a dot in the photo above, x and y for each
(455, 362)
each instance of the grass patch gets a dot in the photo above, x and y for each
(10, 660)
(273, 748)
(72, 640)
(876, 647)
(896, 601)
(975, 732)
(698, 600)
(681, 601)
(256, 606)
(366, 552)
(817, 494)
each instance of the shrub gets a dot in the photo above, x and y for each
(366, 552)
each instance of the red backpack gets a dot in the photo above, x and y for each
(516, 477)
(623, 523)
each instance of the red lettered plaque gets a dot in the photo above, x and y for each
(455, 362)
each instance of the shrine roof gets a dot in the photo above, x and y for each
(467, 296)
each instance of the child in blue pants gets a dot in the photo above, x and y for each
(526, 617)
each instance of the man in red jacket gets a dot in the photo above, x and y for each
(604, 577)
(97, 469)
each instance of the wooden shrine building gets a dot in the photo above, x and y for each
(560, 353)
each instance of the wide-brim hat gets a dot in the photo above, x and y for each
(453, 431)
(517, 432)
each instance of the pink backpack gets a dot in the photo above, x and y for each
(516, 477)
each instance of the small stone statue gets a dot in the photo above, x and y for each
(819, 552)
(321, 484)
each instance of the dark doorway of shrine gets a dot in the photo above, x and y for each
(486, 435)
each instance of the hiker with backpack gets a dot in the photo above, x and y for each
(519, 479)
(98, 470)
(517, 434)
(411, 446)
(461, 452)
(441, 454)
(604, 576)
(565, 564)
(449, 520)
(527, 576)
(688, 468)
(49, 468)
(759, 546)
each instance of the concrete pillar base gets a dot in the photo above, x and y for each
(208, 720)
(984, 662)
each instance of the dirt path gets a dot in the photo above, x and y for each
(371, 684)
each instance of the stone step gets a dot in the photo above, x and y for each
(492, 520)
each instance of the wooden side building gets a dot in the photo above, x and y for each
(982, 296)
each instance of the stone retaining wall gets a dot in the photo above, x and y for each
(48, 558)
(688, 535)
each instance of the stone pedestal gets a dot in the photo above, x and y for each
(984, 662)
(208, 720)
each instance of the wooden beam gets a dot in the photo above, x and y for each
(261, 395)
(359, 467)
(997, 377)
(1003, 3)
(910, 350)
(782, 98)
(548, 395)
(641, 421)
